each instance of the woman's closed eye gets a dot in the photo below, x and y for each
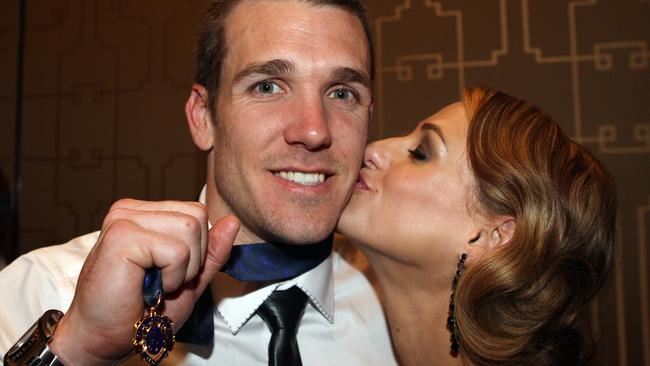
(417, 154)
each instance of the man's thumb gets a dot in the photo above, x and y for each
(220, 239)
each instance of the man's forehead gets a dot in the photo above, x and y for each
(250, 12)
(258, 31)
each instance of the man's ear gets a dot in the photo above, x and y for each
(199, 118)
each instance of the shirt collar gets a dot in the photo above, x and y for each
(203, 196)
(316, 283)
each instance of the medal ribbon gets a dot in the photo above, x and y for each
(275, 261)
(253, 262)
(152, 288)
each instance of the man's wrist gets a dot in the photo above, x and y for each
(67, 344)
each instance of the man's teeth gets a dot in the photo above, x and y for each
(308, 179)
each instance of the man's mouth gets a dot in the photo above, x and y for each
(304, 178)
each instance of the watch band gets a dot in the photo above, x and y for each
(45, 358)
(32, 349)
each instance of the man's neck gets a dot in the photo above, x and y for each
(224, 286)
(246, 236)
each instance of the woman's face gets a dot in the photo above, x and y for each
(412, 200)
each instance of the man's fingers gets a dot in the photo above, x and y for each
(127, 249)
(134, 204)
(195, 209)
(173, 224)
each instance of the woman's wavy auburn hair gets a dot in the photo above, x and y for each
(519, 304)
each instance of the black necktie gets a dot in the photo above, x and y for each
(282, 312)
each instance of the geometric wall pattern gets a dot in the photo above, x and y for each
(105, 82)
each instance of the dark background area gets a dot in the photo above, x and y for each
(104, 83)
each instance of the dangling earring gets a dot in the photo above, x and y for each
(451, 318)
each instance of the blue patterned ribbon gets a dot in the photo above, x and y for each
(273, 261)
(253, 262)
(152, 287)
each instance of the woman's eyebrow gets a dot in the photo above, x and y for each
(435, 128)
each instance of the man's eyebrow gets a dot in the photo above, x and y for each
(347, 74)
(435, 128)
(272, 68)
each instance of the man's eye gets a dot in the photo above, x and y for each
(267, 87)
(418, 155)
(342, 94)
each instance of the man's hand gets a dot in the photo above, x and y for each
(137, 235)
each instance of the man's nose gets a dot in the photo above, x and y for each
(311, 128)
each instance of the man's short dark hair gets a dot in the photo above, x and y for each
(211, 45)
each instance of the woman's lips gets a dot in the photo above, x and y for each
(361, 183)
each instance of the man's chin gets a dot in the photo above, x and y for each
(297, 224)
(302, 234)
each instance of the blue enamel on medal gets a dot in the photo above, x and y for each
(154, 336)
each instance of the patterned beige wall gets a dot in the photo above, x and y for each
(105, 82)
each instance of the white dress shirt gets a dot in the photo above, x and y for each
(343, 323)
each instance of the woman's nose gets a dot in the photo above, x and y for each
(379, 153)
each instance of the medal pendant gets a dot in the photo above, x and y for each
(154, 337)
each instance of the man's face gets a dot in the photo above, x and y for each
(292, 116)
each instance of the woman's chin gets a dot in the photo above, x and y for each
(353, 223)
(345, 223)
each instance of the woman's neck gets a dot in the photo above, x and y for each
(417, 306)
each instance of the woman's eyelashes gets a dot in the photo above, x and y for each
(429, 147)
(418, 154)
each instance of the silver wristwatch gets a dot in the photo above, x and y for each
(32, 348)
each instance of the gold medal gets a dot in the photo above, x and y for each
(154, 335)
